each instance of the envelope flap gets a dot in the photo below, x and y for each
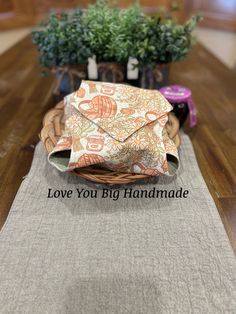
(119, 109)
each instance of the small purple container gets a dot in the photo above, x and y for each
(180, 98)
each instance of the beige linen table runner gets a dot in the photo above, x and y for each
(130, 256)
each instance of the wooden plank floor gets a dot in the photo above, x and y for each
(25, 96)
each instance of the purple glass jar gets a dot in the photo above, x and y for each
(180, 98)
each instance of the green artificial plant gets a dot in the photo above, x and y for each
(111, 31)
(113, 35)
(61, 40)
(161, 40)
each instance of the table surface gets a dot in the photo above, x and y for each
(26, 96)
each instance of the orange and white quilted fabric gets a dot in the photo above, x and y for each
(117, 126)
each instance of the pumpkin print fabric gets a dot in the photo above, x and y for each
(117, 126)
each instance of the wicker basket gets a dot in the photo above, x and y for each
(53, 125)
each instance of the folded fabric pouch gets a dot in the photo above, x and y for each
(117, 126)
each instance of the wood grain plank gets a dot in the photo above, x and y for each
(25, 97)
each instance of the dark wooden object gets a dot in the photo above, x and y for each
(219, 14)
(25, 96)
(15, 13)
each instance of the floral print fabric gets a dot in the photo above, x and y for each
(118, 127)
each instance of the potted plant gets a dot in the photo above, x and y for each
(62, 47)
(159, 42)
(110, 33)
